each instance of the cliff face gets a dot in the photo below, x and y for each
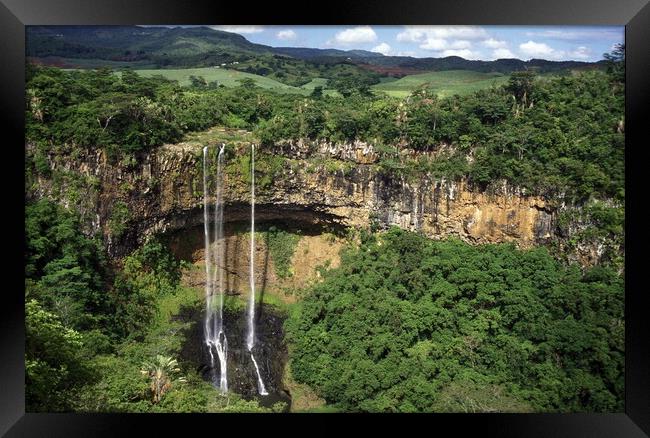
(163, 193)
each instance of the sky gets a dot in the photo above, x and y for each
(558, 43)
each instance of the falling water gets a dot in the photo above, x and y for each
(250, 339)
(215, 337)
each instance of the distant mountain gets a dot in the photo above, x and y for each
(204, 46)
(160, 45)
(410, 64)
(309, 53)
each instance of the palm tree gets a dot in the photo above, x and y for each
(161, 371)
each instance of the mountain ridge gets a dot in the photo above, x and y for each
(205, 46)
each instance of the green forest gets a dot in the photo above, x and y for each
(551, 135)
(404, 323)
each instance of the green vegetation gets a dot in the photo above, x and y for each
(119, 218)
(109, 343)
(442, 83)
(54, 359)
(281, 245)
(64, 270)
(161, 372)
(409, 324)
(222, 76)
(405, 324)
(559, 136)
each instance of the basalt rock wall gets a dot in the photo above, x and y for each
(161, 191)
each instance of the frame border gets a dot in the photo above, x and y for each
(634, 14)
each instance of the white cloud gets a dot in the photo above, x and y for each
(382, 48)
(460, 44)
(544, 51)
(406, 53)
(434, 44)
(411, 35)
(578, 34)
(419, 34)
(540, 50)
(356, 35)
(287, 34)
(581, 52)
(502, 54)
(441, 38)
(240, 29)
(494, 44)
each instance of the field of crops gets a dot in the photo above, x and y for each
(227, 77)
(445, 83)
(231, 78)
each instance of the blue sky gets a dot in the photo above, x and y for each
(580, 43)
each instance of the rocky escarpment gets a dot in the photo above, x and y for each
(321, 184)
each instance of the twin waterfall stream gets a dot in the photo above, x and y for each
(215, 287)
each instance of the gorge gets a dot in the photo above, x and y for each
(321, 184)
(318, 190)
(209, 247)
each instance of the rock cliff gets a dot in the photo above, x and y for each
(161, 191)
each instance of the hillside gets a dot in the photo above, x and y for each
(443, 83)
(241, 238)
(162, 47)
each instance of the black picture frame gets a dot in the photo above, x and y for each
(634, 14)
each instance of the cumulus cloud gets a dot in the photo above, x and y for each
(577, 34)
(460, 44)
(441, 38)
(544, 51)
(240, 29)
(494, 44)
(287, 34)
(502, 54)
(356, 35)
(411, 35)
(419, 34)
(540, 50)
(434, 44)
(581, 52)
(382, 48)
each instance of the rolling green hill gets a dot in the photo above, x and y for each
(445, 83)
(231, 78)
(160, 47)
(226, 77)
(141, 47)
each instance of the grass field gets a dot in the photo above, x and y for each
(444, 83)
(224, 76)
(230, 78)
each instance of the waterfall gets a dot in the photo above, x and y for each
(250, 339)
(215, 337)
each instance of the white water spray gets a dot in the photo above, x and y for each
(215, 337)
(250, 339)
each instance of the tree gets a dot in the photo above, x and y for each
(317, 92)
(616, 62)
(54, 360)
(520, 85)
(198, 81)
(409, 324)
(247, 83)
(161, 371)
